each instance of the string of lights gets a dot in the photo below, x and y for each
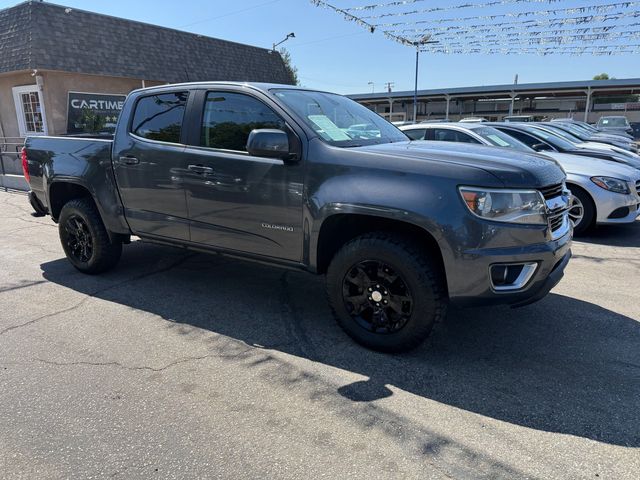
(506, 30)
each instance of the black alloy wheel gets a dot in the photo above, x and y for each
(377, 297)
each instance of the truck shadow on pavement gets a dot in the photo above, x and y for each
(561, 365)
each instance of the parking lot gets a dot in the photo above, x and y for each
(178, 364)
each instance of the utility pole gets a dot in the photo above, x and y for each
(373, 86)
(389, 86)
(513, 95)
(418, 44)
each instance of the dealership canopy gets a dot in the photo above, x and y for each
(510, 27)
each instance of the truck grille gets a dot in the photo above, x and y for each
(558, 216)
(556, 221)
(638, 187)
(552, 191)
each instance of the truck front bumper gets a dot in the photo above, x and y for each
(477, 286)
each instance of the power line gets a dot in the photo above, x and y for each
(229, 14)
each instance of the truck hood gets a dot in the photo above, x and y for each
(513, 168)
(589, 166)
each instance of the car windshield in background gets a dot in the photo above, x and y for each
(338, 120)
(500, 139)
(561, 133)
(555, 140)
(613, 122)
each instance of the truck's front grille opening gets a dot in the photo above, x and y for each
(552, 191)
(505, 277)
(638, 186)
(556, 221)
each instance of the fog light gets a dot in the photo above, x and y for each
(512, 276)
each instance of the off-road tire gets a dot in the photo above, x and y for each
(418, 270)
(104, 253)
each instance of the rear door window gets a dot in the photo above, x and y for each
(160, 117)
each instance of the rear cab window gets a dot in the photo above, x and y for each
(160, 117)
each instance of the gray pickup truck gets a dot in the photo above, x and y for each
(312, 181)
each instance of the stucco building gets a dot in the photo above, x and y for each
(64, 70)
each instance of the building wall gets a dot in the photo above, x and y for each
(55, 88)
(57, 85)
(8, 118)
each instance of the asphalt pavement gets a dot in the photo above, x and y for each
(183, 365)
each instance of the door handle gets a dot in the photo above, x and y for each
(129, 161)
(200, 169)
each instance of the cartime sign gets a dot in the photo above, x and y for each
(93, 112)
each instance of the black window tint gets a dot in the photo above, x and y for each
(159, 117)
(523, 137)
(416, 134)
(229, 118)
(463, 137)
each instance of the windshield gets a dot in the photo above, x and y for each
(555, 140)
(613, 122)
(575, 131)
(338, 120)
(499, 139)
(561, 133)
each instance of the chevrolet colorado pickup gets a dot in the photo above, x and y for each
(313, 181)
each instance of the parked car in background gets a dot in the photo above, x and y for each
(603, 192)
(615, 152)
(473, 120)
(585, 136)
(519, 118)
(614, 123)
(542, 140)
(636, 130)
(593, 130)
(269, 173)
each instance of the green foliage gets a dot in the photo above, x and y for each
(288, 64)
(91, 121)
(603, 76)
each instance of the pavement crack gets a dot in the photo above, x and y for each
(97, 292)
(123, 366)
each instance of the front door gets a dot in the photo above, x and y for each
(150, 166)
(237, 201)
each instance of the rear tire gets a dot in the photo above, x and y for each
(581, 203)
(85, 239)
(386, 292)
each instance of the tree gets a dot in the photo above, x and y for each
(288, 64)
(602, 76)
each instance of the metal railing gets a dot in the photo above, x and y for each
(10, 162)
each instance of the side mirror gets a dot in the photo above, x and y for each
(542, 147)
(268, 142)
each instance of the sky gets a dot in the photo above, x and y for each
(336, 55)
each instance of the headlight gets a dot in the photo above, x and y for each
(499, 205)
(612, 184)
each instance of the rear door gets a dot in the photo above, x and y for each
(237, 201)
(150, 166)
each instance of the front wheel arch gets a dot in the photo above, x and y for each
(589, 206)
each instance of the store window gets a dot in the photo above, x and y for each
(30, 110)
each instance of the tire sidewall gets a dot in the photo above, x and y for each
(424, 309)
(74, 210)
(589, 213)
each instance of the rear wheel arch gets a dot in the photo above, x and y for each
(338, 229)
(60, 193)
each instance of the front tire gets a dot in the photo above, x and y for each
(386, 292)
(85, 239)
(582, 211)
